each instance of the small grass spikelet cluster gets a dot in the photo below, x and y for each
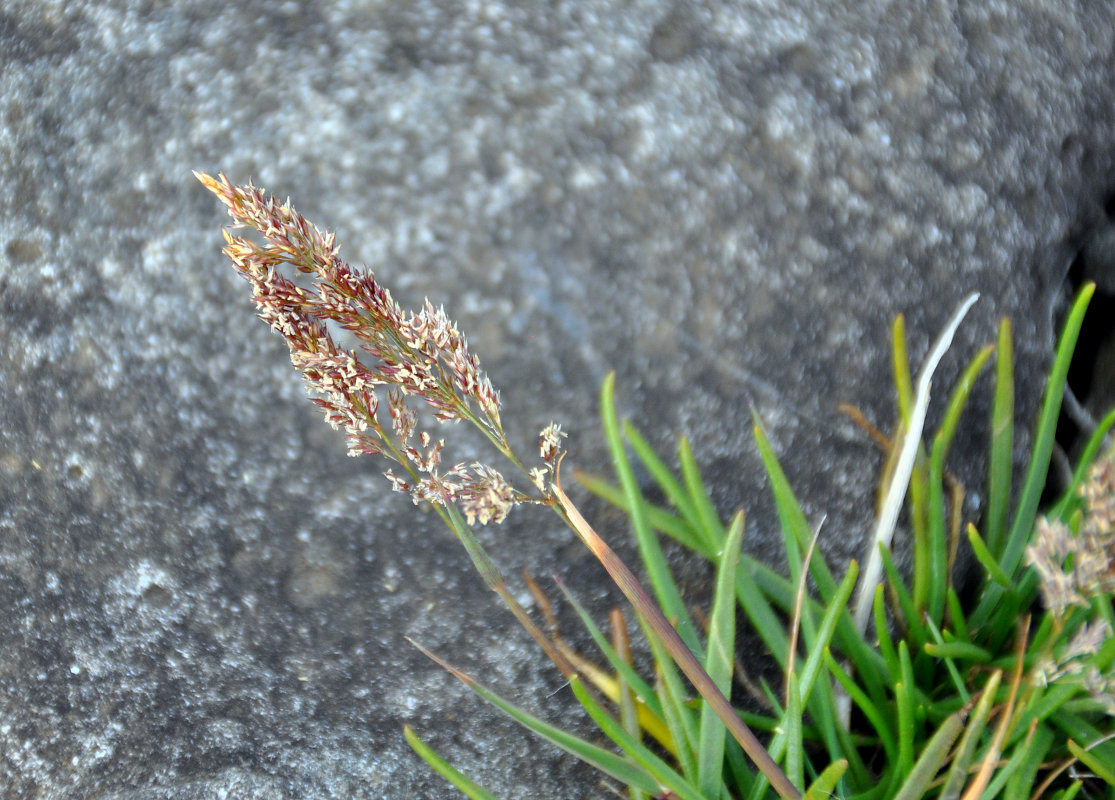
(1075, 563)
(1076, 566)
(413, 355)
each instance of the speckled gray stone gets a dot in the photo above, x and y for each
(725, 202)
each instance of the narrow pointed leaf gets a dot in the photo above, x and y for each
(719, 662)
(446, 770)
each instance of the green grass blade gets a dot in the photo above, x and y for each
(956, 615)
(603, 760)
(1070, 793)
(965, 651)
(1021, 783)
(904, 707)
(940, 649)
(659, 518)
(708, 521)
(758, 583)
(641, 688)
(1103, 768)
(903, 382)
(790, 515)
(665, 590)
(930, 590)
(910, 618)
(1004, 772)
(973, 732)
(670, 486)
(1001, 462)
(986, 559)
(791, 729)
(882, 632)
(813, 662)
(1087, 458)
(798, 537)
(823, 788)
(879, 721)
(933, 755)
(1030, 496)
(719, 662)
(676, 710)
(446, 770)
(1046, 433)
(652, 769)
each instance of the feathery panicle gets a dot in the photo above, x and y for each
(421, 355)
(1076, 567)
(1073, 568)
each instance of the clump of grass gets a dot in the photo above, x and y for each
(1008, 694)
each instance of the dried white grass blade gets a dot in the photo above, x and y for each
(900, 481)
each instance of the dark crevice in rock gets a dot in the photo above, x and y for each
(1091, 379)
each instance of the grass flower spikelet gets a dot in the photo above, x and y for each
(411, 355)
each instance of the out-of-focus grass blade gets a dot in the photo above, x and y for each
(665, 590)
(1003, 773)
(956, 615)
(660, 519)
(962, 758)
(929, 591)
(719, 662)
(791, 731)
(709, 521)
(1103, 768)
(904, 706)
(822, 788)
(959, 650)
(1070, 793)
(1087, 458)
(986, 559)
(903, 380)
(1030, 496)
(1001, 462)
(879, 721)
(1021, 783)
(670, 486)
(882, 632)
(446, 770)
(933, 755)
(910, 618)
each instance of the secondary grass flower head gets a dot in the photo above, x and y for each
(410, 355)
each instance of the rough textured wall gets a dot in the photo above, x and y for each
(727, 202)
